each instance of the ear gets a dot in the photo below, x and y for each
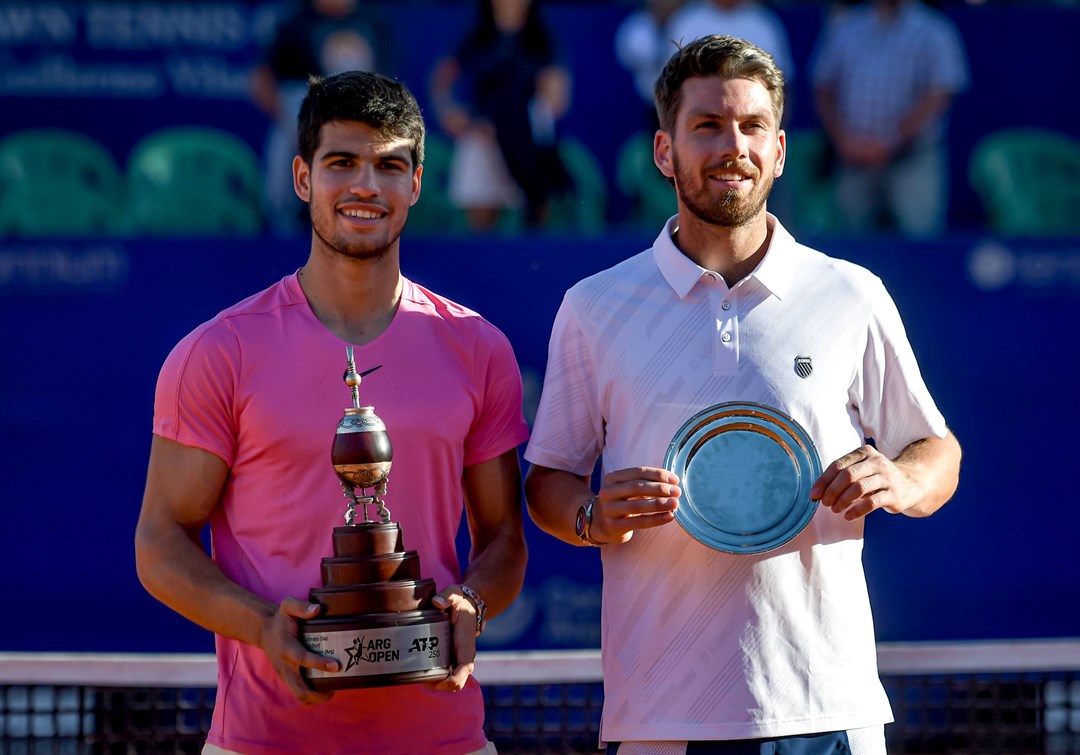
(781, 153)
(416, 185)
(662, 153)
(301, 178)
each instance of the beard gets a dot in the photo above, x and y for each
(728, 209)
(363, 248)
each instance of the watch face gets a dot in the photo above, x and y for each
(579, 523)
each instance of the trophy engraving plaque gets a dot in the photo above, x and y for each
(376, 619)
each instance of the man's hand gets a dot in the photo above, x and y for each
(633, 499)
(463, 635)
(286, 654)
(864, 480)
(917, 483)
(865, 153)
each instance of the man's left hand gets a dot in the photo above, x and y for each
(862, 481)
(463, 635)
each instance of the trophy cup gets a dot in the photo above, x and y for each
(376, 619)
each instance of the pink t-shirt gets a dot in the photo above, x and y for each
(261, 387)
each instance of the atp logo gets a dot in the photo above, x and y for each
(424, 645)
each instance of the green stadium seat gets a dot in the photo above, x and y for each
(56, 182)
(804, 197)
(652, 198)
(584, 209)
(1029, 181)
(192, 181)
(434, 213)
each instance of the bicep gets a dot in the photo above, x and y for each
(493, 494)
(183, 486)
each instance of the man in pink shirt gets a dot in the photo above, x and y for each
(244, 416)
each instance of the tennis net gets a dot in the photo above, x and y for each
(969, 698)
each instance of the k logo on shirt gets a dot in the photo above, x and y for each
(803, 367)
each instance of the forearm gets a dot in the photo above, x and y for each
(174, 568)
(828, 114)
(497, 558)
(497, 569)
(553, 497)
(933, 465)
(929, 107)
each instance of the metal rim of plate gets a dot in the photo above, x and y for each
(745, 470)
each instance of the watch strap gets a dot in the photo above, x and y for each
(583, 526)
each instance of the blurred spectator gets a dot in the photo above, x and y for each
(745, 19)
(643, 45)
(319, 37)
(885, 75)
(500, 96)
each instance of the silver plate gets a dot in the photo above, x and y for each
(746, 470)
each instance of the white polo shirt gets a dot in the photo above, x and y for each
(699, 644)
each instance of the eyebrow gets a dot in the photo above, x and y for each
(392, 155)
(716, 115)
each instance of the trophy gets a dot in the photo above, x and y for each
(376, 619)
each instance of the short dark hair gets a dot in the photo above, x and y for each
(716, 55)
(383, 103)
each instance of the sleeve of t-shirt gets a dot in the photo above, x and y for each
(825, 60)
(949, 69)
(569, 429)
(895, 406)
(193, 403)
(500, 423)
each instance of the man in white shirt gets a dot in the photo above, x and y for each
(702, 648)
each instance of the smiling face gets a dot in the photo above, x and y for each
(724, 151)
(359, 187)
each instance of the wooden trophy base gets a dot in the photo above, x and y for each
(377, 619)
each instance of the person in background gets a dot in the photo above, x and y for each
(316, 38)
(500, 96)
(244, 415)
(705, 651)
(743, 19)
(885, 76)
(642, 46)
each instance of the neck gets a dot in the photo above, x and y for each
(355, 299)
(732, 252)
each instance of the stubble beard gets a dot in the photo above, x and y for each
(355, 250)
(730, 211)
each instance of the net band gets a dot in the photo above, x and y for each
(979, 697)
(529, 667)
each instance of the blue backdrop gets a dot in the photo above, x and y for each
(86, 325)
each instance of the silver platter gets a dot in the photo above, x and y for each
(746, 470)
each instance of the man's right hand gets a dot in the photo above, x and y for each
(633, 499)
(287, 655)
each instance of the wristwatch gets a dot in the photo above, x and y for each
(478, 603)
(583, 523)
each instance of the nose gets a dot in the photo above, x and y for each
(733, 144)
(363, 182)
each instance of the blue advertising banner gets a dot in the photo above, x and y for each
(86, 325)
